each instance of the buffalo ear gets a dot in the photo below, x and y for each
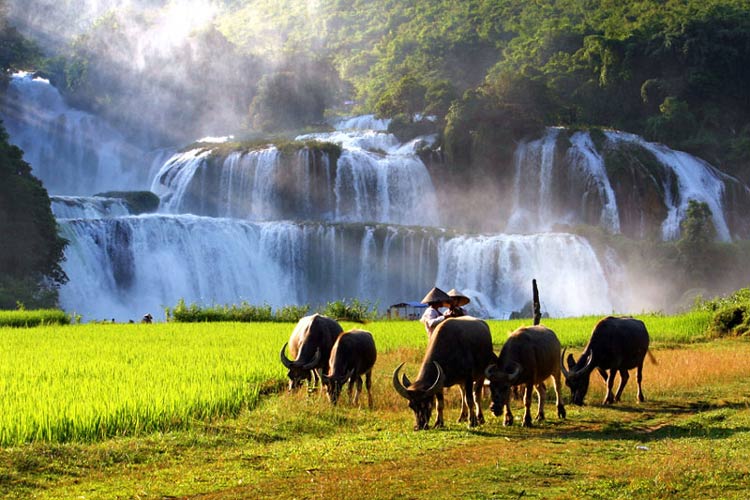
(571, 362)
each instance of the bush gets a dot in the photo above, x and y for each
(351, 310)
(243, 312)
(37, 317)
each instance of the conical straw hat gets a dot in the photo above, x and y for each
(461, 299)
(436, 295)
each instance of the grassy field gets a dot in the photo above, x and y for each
(690, 438)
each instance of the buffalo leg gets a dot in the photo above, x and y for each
(357, 381)
(478, 387)
(440, 404)
(541, 393)
(469, 401)
(464, 416)
(368, 386)
(624, 376)
(527, 397)
(559, 402)
(638, 379)
(508, 415)
(609, 398)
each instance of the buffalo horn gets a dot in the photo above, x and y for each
(397, 383)
(438, 382)
(284, 360)
(312, 364)
(562, 364)
(513, 376)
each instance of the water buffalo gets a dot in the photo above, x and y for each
(530, 356)
(616, 344)
(310, 346)
(352, 356)
(458, 352)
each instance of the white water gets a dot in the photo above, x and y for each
(697, 181)
(87, 207)
(497, 271)
(71, 151)
(123, 267)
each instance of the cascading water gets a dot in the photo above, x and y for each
(120, 266)
(569, 181)
(697, 180)
(302, 225)
(376, 179)
(71, 151)
(87, 207)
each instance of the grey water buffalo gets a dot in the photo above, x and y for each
(617, 345)
(353, 356)
(458, 352)
(528, 358)
(310, 347)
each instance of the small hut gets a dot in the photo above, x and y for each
(406, 310)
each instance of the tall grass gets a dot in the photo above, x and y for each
(24, 318)
(89, 382)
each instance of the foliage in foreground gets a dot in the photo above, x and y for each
(87, 383)
(688, 440)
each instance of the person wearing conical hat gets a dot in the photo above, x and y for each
(455, 306)
(432, 316)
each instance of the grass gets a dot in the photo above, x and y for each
(689, 439)
(36, 317)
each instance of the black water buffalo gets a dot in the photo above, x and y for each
(616, 344)
(352, 356)
(530, 356)
(310, 346)
(458, 352)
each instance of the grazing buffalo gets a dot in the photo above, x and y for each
(616, 344)
(352, 356)
(530, 356)
(310, 346)
(458, 352)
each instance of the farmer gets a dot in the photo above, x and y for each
(432, 316)
(455, 307)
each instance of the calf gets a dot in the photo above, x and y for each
(530, 356)
(352, 356)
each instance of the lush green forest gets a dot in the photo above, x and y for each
(672, 71)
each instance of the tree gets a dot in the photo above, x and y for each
(30, 248)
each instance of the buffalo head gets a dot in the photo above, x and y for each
(421, 401)
(334, 385)
(577, 376)
(501, 382)
(298, 370)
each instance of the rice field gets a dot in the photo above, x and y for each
(85, 383)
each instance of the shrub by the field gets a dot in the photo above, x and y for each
(23, 318)
(731, 313)
(351, 310)
(243, 313)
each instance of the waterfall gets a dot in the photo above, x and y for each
(697, 180)
(566, 185)
(87, 207)
(376, 179)
(584, 155)
(71, 151)
(126, 266)
(496, 272)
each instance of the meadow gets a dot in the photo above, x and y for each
(94, 381)
(182, 410)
